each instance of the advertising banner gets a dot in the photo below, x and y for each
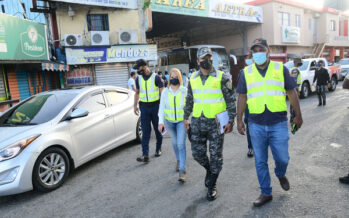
(22, 39)
(224, 9)
(290, 34)
(130, 4)
(110, 54)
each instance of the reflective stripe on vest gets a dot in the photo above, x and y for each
(148, 90)
(268, 91)
(208, 98)
(174, 106)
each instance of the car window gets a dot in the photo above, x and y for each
(115, 97)
(93, 103)
(38, 109)
(344, 62)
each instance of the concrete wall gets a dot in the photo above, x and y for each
(118, 19)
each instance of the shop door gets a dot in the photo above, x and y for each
(112, 74)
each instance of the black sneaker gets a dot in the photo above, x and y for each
(250, 153)
(144, 159)
(344, 180)
(158, 153)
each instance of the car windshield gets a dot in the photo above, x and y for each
(344, 62)
(220, 59)
(36, 110)
(304, 66)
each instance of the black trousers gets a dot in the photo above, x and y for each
(320, 90)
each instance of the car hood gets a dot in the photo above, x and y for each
(9, 135)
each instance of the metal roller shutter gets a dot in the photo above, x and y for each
(112, 74)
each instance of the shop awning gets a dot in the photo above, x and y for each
(53, 66)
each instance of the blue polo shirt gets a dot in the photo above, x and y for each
(267, 117)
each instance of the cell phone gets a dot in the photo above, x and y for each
(294, 129)
(164, 131)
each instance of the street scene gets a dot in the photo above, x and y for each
(174, 108)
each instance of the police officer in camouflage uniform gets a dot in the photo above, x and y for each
(209, 92)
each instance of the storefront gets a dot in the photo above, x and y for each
(23, 49)
(105, 65)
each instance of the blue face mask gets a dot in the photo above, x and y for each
(259, 57)
(248, 62)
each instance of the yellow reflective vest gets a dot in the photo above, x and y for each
(174, 105)
(208, 98)
(299, 76)
(148, 90)
(268, 91)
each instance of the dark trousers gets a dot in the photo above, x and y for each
(149, 114)
(320, 90)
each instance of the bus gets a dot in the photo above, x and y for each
(185, 58)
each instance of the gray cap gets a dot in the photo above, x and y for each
(203, 51)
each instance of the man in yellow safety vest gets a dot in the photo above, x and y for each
(263, 86)
(148, 90)
(209, 92)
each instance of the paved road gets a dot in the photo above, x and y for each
(115, 185)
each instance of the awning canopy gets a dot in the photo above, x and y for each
(53, 66)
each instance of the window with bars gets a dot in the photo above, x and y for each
(284, 18)
(298, 20)
(333, 25)
(97, 22)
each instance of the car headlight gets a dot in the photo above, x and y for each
(14, 149)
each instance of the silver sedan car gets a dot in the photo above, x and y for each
(46, 136)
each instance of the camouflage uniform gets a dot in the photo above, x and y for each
(204, 129)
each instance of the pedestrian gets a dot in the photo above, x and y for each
(148, 91)
(163, 80)
(345, 179)
(248, 62)
(263, 86)
(171, 117)
(131, 81)
(323, 78)
(296, 74)
(185, 80)
(210, 92)
(166, 76)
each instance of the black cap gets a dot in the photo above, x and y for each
(139, 63)
(260, 42)
(203, 51)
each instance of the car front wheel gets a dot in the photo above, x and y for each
(305, 90)
(50, 170)
(333, 84)
(139, 131)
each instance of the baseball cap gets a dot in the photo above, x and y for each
(139, 63)
(259, 42)
(203, 51)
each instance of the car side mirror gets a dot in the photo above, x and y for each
(77, 113)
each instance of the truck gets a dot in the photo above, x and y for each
(308, 72)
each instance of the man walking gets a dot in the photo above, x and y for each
(263, 86)
(209, 92)
(148, 90)
(323, 79)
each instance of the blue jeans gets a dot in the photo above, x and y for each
(276, 136)
(178, 138)
(149, 114)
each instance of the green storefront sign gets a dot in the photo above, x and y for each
(22, 39)
(184, 7)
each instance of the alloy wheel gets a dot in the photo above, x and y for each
(52, 169)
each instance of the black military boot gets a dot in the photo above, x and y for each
(207, 177)
(212, 189)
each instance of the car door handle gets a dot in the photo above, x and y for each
(107, 116)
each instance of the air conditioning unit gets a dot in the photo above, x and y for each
(99, 37)
(128, 36)
(73, 40)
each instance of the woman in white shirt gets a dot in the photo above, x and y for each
(171, 116)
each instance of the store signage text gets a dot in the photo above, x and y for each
(195, 4)
(224, 9)
(110, 54)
